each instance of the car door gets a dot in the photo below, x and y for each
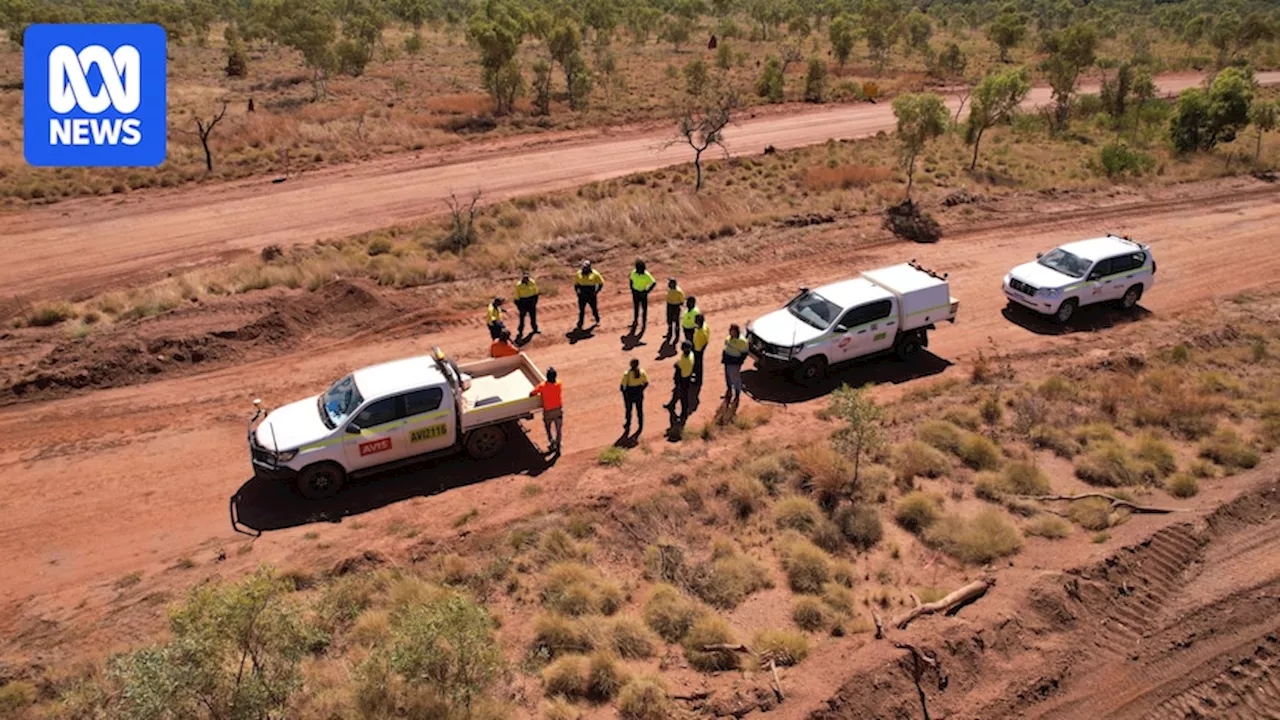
(866, 329)
(1099, 284)
(429, 421)
(1125, 272)
(375, 435)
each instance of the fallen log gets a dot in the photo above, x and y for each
(723, 646)
(951, 604)
(1116, 503)
(777, 684)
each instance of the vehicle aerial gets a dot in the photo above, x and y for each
(891, 309)
(1069, 277)
(391, 414)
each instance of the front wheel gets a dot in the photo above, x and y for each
(1066, 311)
(321, 480)
(486, 442)
(909, 345)
(812, 371)
(1131, 297)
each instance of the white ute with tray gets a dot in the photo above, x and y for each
(390, 414)
(891, 309)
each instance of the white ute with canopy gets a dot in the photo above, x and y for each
(390, 414)
(886, 310)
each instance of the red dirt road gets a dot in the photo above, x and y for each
(87, 244)
(101, 485)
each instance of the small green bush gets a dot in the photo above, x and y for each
(645, 698)
(1226, 448)
(710, 630)
(566, 677)
(807, 565)
(809, 613)
(914, 459)
(1090, 513)
(1182, 485)
(786, 647)
(631, 639)
(746, 495)
(1048, 526)
(860, 525)
(917, 511)
(941, 434)
(612, 456)
(977, 539)
(670, 613)
(797, 513)
(1111, 465)
(979, 453)
(1156, 451)
(1118, 159)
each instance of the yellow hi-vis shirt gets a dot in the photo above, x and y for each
(632, 381)
(690, 318)
(493, 314)
(735, 347)
(526, 289)
(675, 296)
(685, 365)
(641, 282)
(701, 336)
(592, 279)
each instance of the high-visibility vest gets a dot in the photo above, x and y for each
(493, 314)
(592, 279)
(642, 281)
(690, 319)
(526, 289)
(632, 381)
(685, 365)
(735, 347)
(701, 336)
(675, 296)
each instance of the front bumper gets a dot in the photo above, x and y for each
(263, 460)
(1046, 306)
(769, 356)
(274, 473)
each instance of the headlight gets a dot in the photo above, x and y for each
(1051, 292)
(1007, 278)
(286, 455)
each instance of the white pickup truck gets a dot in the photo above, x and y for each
(1065, 279)
(390, 414)
(890, 309)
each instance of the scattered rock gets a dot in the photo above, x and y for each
(807, 219)
(367, 560)
(961, 197)
(1268, 176)
(908, 221)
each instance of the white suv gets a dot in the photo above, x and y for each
(1067, 278)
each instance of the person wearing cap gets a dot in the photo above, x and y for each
(502, 347)
(588, 283)
(683, 377)
(527, 303)
(552, 408)
(493, 318)
(689, 320)
(642, 283)
(701, 338)
(634, 382)
(675, 301)
(733, 357)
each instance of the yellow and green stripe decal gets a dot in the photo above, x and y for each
(376, 429)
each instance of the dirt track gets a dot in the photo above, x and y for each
(87, 244)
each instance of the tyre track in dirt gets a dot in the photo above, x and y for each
(89, 244)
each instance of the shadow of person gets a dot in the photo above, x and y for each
(666, 350)
(631, 342)
(577, 335)
(522, 340)
(627, 441)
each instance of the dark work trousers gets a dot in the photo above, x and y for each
(639, 308)
(688, 335)
(495, 330)
(587, 298)
(528, 308)
(673, 320)
(680, 396)
(634, 398)
(697, 366)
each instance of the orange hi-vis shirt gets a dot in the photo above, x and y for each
(500, 349)
(550, 392)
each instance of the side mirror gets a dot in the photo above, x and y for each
(1039, 255)
(842, 328)
(353, 429)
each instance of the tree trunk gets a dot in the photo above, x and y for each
(911, 175)
(1257, 154)
(977, 139)
(208, 156)
(697, 165)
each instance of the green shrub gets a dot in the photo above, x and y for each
(566, 677)
(1022, 478)
(977, 539)
(645, 698)
(860, 525)
(557, 635)
(1111, 465)
(573, 589)
(1090, 513)
(1227, 449)
(1048, 526)
(786, 647)
(631, 639)
(612, 456)
(728, 580)
(979, 453)
(710, 630)
(1182, 485)
(797, 513)
(1117, 159)
(746, 495)
(1157, 452)
(917, 511)
(1055, 439)
(914, 459)
(941, 434)
(670, 613)
(807, 565)
(604, 678)
(809, 613)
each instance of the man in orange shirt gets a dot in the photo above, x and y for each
(502, 347)
(552, 409)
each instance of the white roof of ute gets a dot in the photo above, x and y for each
(1100, 248)
(904, 278)
(397, 376)
(848, 293)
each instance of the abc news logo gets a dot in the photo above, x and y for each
(94, 95)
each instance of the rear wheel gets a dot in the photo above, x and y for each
(1066, 311)
(486, 442)
(812, 371)
(321, 480)
(1131, 297)
(909, 345)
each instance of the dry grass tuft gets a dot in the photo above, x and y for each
(670, 613)
(860, 525)
(1109, 464)
(727, 580)
(844, 177)
(557, 635)
(914, 459)
(809, 613)
(573, 589)
(645, 698)
(979, 452)
(807, 566)
(1048, 526)
(1182, 485)
(566, 677)
(1055, 439)
(631, 639)
(746, 496)
(1228, 449)
(824, 471)
(786, 647)
(1091, 513)
(944, 435)
(916, 511)
(710, 630)
(976, 539)
(797, 513)
(1157, 452)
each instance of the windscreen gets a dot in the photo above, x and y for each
(813, 309)
(1065, 263)
(339, 401)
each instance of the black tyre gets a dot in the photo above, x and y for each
(486, 442)
(1131, 297)
(812, 371)
(1066, 311)
(321, 480)
(909, 345)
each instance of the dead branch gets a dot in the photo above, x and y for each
(875, 617)
(950, 604)
(630, 530)
(723, 646)
(777, 684)
(1116, 503)
(204, 130)
(920, 660)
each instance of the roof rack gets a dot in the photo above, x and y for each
(917, 266)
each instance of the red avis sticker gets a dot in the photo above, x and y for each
(376, 446)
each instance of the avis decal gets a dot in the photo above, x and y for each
(426, 433)
(880, 336)
(375, 446)
(844, 342)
